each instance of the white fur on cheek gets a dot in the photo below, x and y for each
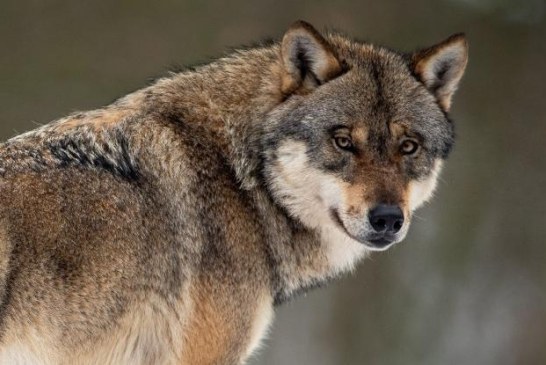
(297, 185)
(309, 194)
(421, 191)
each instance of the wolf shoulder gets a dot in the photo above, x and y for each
(113, 164)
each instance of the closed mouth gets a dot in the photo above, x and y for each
(382, 241)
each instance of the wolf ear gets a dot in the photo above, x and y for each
(441, 67)
(308, 60)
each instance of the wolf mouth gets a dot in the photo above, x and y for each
(375, 242)
(382, 241)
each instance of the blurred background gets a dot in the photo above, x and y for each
(468, 286)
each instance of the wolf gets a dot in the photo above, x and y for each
(165, 227)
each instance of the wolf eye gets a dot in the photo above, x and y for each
(409, 147)
(343, 142)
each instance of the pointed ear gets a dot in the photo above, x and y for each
(441, 67)
(308, 60)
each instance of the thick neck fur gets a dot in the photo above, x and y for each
(222, 105)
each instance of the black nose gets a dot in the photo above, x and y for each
(386, 218)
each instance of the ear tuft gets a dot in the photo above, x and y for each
(441, 67)
(308, 59)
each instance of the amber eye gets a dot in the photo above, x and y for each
(343, 142)
(409, 147)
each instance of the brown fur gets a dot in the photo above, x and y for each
(163, 228)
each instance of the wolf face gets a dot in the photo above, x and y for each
(359, 142)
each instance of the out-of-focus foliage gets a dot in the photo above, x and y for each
(468, 286)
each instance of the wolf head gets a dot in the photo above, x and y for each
(359, 141)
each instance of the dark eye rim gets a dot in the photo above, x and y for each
(415, 144)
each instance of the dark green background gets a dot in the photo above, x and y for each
(468, 286)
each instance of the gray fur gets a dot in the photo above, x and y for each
(159, 211)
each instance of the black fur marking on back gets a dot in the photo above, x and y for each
(82, 150)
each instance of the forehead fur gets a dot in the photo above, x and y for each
(378, 89)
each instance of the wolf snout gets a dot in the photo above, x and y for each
(386, 219)
(382, 226)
